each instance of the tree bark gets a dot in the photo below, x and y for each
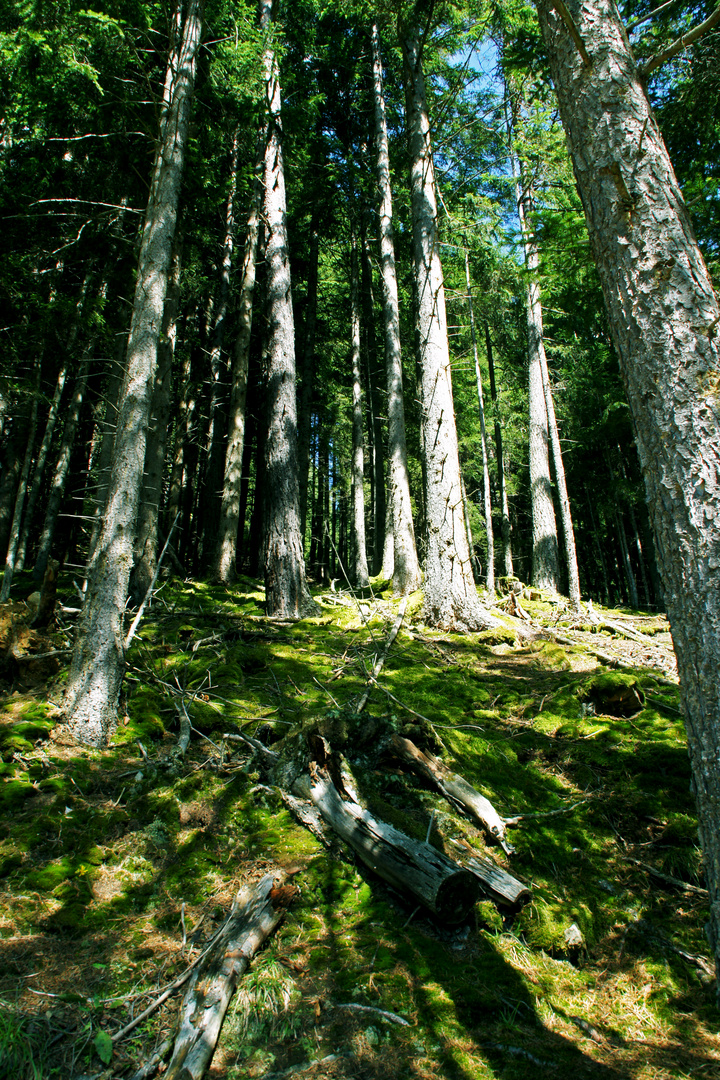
(406, 568)
(62, 469)
(98, 659)
(226, 550)
(545, 564)
(286, 591)
(20, 495)
(564, 499)
(451, 598)
(307, 385)
(146, 543)
(374, 378)
(664, 320)
(487, 501)
(360, 568)
(502, 481)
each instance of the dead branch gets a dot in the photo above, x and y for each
(391, 1017)
(695, 889)
(380, 660)
(455, 789)
(256, 912)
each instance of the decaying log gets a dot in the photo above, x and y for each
(257, 911)
(456, 790)
(496, 884)
(408, 865)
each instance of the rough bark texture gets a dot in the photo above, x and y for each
(664, 320)
(487, 501)
(286, 591)
(98, 659)
(406, 568)
(360, 566)
(225, 554)
(451, 599)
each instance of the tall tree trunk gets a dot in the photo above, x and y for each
(565, 513)
(375, 377)
(213, 488)
(664, 320)
(360, 567)
(226, 549)
(98, 659)
(627, 565)
(487, 501)
(107, 433)
(307, 385)
(545, 563)
(505, 530)
(62, 469)
(451, 598)
(20, 495)
(406, 568)
(146, 542)
(286, 591)
(598, 545)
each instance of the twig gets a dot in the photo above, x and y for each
(392, 1018)
(411, 711)
(152, 1066)
(695, 889)
(151, 586)
(548, 813)
(383, 655)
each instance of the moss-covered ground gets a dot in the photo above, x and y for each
(116, 865)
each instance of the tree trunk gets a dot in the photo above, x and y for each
(107, 443)
(545, 564)
(62, 469)
(664, 319)
(487, 501)
(360, 568)
(451, 599)
(565, 514)
(98, 659)
(502, 482)
(375, 377)
(213, 487)
(307, 385)
(226, 549)
(146, 543)
(286, 591)
(20, 495)
(406, 568)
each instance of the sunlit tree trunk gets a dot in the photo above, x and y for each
(360, 568)
(451, 598)
(286, 591)
(406, 568)
(98, 659)
(487, 501)
(664, 319)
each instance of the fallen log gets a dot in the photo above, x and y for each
(496, 884)
(257, 911)
(456, 790)
(448, 890)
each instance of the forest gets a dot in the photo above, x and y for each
(360, 529)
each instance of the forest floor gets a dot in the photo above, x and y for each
(117, 865)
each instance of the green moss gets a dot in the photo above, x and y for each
(51, 875)
(15, 792)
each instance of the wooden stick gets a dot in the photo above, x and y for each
(380, 660)
(695, 889)
(151, 586)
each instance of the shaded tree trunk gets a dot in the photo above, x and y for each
(374, 379)
(98, 659)
(406, 568)
(226, 549)
(360, 568)
(308, 375)
(451, 599)
(20, 495)
(286, 591)
(664, 319)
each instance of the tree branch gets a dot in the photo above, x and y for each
(677, 46)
